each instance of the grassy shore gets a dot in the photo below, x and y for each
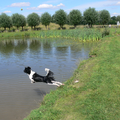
(79, 33)
(95, 96)
(83, 34)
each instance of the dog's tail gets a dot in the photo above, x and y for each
(49, 74)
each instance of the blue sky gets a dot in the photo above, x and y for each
(51, 6)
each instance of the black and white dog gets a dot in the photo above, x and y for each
(49, 79)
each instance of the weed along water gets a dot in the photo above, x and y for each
(17, 95)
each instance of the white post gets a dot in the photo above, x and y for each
(118, 23)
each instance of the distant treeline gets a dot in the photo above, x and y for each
(89, 17)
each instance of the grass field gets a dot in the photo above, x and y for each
(96, 96)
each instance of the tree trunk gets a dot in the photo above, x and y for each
(22, 28)
(89, 25)
(61, 26)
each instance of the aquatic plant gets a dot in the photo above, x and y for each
(76, 34)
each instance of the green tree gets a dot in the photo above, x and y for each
(90, 16)
(22, 21)
(33, 19)
(16, 20)
(83, 22)
(104, 17)
(99, 20)
(53, 19)
(75, 17)
(68, 19)
(5, 21)
(113, 18)
(118, 18)
(46, 19)
(60, 17)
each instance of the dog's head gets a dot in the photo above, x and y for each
(27, 70)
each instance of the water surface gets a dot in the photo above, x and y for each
(17, 95)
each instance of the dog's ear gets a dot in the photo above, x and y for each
(29, 67)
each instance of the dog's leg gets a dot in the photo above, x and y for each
(53, 84)
(47, 70)
(32, 81)
(57, 82)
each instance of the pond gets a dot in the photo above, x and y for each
(17, 95)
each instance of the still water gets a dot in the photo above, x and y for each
(17, 95)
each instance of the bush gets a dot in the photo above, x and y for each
(71, 27)
(105, 32)
(27, 35)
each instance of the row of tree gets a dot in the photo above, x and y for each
(90, 17)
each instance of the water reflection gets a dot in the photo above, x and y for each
(44, 49)
(20, 46)
(62, 53)
(39, 92)
(6, 47)
(47, 47)
(35, 46)
(76, 48)
(62, 49)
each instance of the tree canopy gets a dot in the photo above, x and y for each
(60, 17)
(75, 17)
(33, 19)
(90, 16)
(118, 18)
(22, 21)
(5, 21)
(16, 20)
(105, 16)
(46, 19)
(53, 19)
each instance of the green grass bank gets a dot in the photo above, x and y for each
(97, 94)
(80, 33)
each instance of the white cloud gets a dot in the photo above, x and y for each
(21, 4)
(32, 8)
(115, 14)
(99, 4)
(52, 1)
(118, 3)
(46, 6)
(60, 5)
(7, 12)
